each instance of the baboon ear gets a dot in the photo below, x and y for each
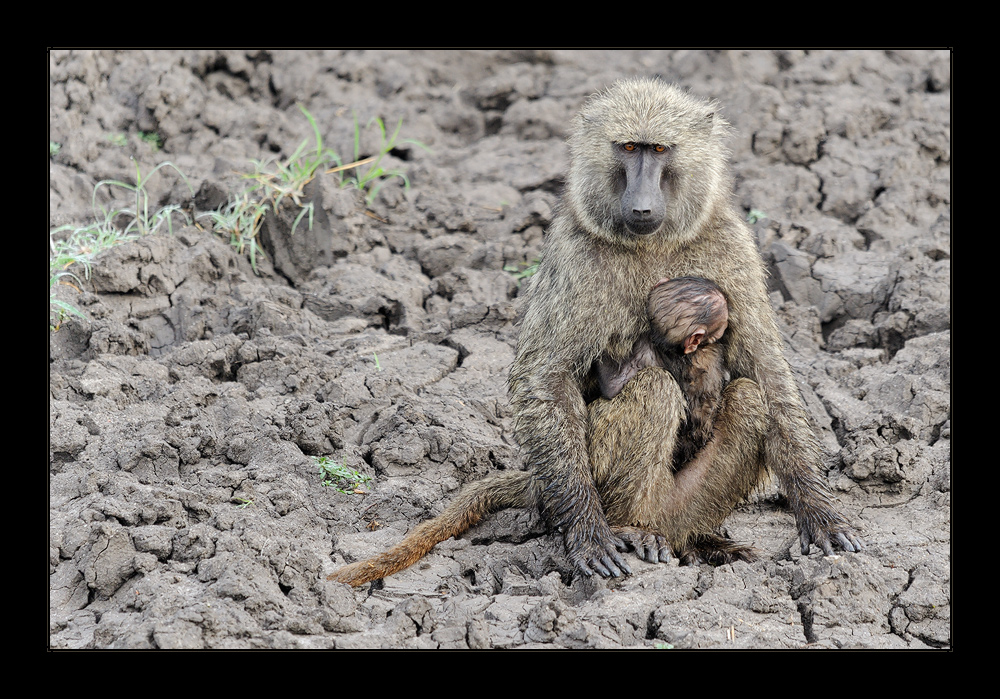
(713, 120)
(706, 122)
(692, 341)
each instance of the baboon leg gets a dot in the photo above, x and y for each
(631, 441)
(721, 475)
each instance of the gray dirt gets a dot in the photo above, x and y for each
(185, 510)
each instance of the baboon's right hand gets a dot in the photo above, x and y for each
(596, 548)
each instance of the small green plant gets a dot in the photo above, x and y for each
(77, 248)
(288, 180)
(339, 477)
(59, 310)
(142, 221)
(154, 139)
(377, 365)
(54, 148)
(244, 503)
(755, 215)
(241, 218)
(375, 176)
(83, 242)
(117, 139)
(522, 270)
(275, 183)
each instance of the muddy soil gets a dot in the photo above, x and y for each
(186, 510)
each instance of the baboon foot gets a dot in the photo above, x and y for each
(716, 550)
(836, 532)
(596, 551)
(648, 546)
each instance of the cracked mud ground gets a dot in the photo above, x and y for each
(185, 510)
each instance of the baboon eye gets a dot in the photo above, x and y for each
(658, 148)
(629, 147)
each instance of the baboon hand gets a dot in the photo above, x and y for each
(826, 535)
(596, 548)
(648, 546)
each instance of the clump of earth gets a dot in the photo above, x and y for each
(189, 408)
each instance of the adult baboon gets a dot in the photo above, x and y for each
(648, 197)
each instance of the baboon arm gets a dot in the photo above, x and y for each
(551, 429)
(790, 448)
(546, 389)
(816, 514)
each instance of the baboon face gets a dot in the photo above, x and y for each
(647, 160)
(640, 182)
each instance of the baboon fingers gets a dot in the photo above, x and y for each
(596, 550)
(588, 571)
(614, 561)
(847, 540)
(605, 567)
(649, 546)
(609, 565)
(657, 549)
(850, 541)
(804, 541)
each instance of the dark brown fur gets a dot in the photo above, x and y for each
(647, 198)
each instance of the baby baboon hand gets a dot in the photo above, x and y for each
(825, 535)
(596, 549)
(648, 546)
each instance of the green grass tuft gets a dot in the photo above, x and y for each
(274, 184)
(154, 140)
(84, 242)
(522, 270)
(339, 477)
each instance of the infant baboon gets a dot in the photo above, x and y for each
(647, 197)
(687, 316)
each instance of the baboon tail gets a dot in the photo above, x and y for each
(492, 494)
